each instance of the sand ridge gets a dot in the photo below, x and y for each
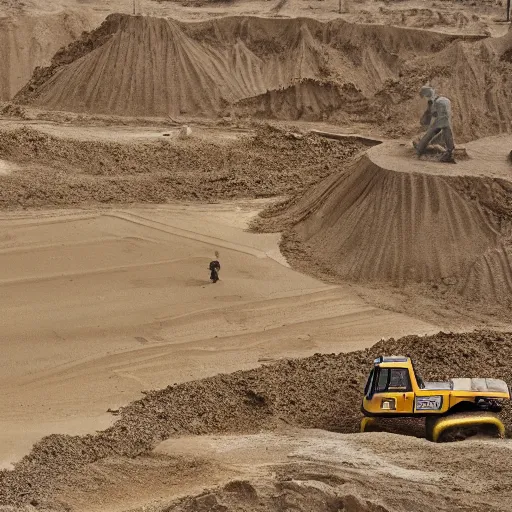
(240, 62)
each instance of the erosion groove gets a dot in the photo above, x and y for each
(308, 99)
(491, 276)
(382, 225)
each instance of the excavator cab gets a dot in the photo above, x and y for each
(394, 389)
(389, 388)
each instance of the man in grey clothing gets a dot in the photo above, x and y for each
(438, 118)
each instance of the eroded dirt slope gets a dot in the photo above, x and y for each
(60, 171)
(370, 73)
(397, 220)
(28, 41)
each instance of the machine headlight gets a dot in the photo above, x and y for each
(388, 404)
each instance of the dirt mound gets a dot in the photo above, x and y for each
(302, 470)
(65, 171)
(424, 18)
(27, 42)
(396, 220)
(275, 66)
(323, 391)
(372, 224)
(318, 471)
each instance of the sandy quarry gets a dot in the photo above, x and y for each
(129, 381)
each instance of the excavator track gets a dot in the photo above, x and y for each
(451, 427)
(460, 426)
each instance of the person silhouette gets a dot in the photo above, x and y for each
(438, 118)
(214, 269)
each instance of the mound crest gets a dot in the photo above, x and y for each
(391, 218)
(278, 68)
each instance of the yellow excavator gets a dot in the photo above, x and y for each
(395, 390)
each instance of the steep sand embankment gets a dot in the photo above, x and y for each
(28, 41)
(273, 67)
(390, 218)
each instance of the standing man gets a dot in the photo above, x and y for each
(438, 118)
(214, 269)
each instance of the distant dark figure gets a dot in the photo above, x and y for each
(214, 269)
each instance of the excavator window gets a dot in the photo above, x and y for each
(399, 380)
(382, 380)
(418, 378)
(369, 384)
(393, 379)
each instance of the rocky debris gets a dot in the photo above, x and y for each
(185, 132)
(12, 110)
(61, 172)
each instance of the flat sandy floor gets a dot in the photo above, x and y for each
(101, 304)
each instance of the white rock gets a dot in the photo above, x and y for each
(185, 132)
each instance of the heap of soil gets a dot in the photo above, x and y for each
(61, 172)
(257, 66)
(307, 99)
(371, 224)
(309, 490)
(322, 391)
(427, 18)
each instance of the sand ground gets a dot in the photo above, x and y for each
(101, 304)
(304, 468)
